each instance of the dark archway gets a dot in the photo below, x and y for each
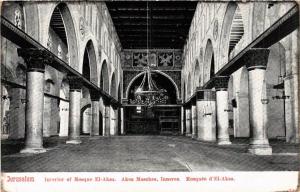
(85, 119)
(161, 81)
(159, 119)
(197, 75)
(61, 25)
(209, 62)
(100, 123)
(113, 86)
(104, 80)
(90, 70)
(226, 30)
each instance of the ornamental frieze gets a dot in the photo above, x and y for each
(155, 58)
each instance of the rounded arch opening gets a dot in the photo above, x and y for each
(162, 81)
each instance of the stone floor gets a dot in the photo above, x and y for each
(146, 153)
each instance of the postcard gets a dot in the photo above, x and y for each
(158, 95)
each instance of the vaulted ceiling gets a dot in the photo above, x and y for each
(167, 23)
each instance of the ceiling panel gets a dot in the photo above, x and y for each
(166, 23)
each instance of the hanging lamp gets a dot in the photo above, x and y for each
(147, 93)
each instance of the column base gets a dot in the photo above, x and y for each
(194, 136)
(206, 139)
(33, 150)
(188, 134)
(75, 142)
(260, 149)
(224, 141)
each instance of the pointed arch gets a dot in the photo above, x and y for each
(197, 75)
(232, 31)
(113, 86)
(68, 28)
(104, 77)
(209, 62)
(89, 62)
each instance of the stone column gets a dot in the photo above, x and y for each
(74, 110)
(256, 62)
(36, 60)
(221, 85)
(95, 113)
(114, 121)
(122, 121)
(106, 118)
(194, 120)
(188, 122)
(206, 115)
(182, 120)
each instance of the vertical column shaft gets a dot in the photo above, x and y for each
(188, 122)
(36, 60)
(206, 115)
(256, 62)
(122, 121)
(34, 112)
(95, 97)
(74, 110)
(222, 117)
(182, 121)
(107, 120)
(221, 85)
(194, 121)
(95, 118)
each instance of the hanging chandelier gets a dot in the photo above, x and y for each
(147, 93)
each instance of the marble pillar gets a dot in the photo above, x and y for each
(74, 110)
(194, 120)
(221, 85)
(206, 115)
(188, 122)
(122, 121)
(106, 119)
(36, 60)
(95, 97)
(182, 120)
(256, 61)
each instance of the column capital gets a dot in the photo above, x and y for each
(221, 82)
(75, 83)
(36, 59)
(206, 95)
(106, 101)
(95, 95)
(256, 58)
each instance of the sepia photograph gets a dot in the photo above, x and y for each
(150, 95)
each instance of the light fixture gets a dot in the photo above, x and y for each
(23, 101)
(264, 97)
(147, 93)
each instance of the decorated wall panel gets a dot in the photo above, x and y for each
(158, 59)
